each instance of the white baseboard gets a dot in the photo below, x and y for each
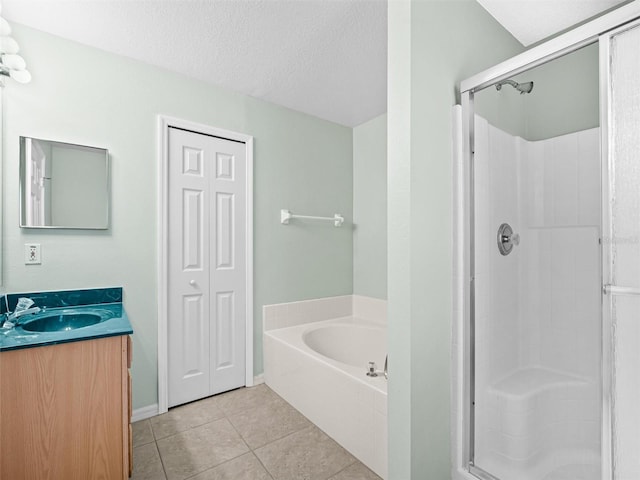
(144, 412)
(152, 410)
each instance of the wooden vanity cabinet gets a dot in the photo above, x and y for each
(65, 411)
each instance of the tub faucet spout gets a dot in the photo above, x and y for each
(373, 372)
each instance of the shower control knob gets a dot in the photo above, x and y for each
(507, 239)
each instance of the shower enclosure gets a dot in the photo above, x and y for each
(548, 267)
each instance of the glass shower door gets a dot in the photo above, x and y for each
(537, 312)
(554, 304)
(536, 270)
(621, 252)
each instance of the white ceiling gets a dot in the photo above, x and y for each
(322, 57)
(327, 58)
(533, 20)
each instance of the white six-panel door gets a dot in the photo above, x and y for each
(206, 265)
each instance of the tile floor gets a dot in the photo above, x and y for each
(246, 434)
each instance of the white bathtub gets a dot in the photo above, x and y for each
(320, 367)
(349, 341)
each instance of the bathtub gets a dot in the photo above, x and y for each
(319, 366)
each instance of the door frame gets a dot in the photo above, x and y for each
(463, 274)
(164, 123)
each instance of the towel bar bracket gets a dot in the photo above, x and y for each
(286, 216)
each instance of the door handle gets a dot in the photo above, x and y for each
(614, 290)
(192, 283)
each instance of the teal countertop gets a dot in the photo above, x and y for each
(116, 323)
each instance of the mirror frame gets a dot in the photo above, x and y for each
(107, 220)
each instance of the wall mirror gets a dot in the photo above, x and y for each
(63, 185)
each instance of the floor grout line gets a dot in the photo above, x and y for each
(214, 466)
(153, 433)
(263, 465)
(188, 429)
(164, 470)
(239, 434)
(218, 465)
(253, 450)
(268, 393)
(355, 460)
(287, 435)
(274, 439)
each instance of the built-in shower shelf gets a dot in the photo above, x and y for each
(578, 471)
(533, 409)
(530, 381)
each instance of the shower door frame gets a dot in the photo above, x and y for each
(582, 36)
(608, 168)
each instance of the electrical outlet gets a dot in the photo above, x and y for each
(32, 254)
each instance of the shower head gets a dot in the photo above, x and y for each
(521, 87)
(524, 87)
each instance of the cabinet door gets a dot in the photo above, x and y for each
(62, 416)
(127, 408)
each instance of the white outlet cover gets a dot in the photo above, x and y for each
(32, 254)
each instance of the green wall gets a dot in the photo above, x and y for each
(433, 45)
(505, 109)
(370, 208)
(87, 96)
(565, 98)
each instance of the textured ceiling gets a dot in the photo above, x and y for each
(327, 58)
(533, 20)
(322, 57)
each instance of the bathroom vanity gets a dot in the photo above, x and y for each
(65, 395)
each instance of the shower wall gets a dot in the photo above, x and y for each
(497, 279)
(560, 253)
(537, 309)
(497, 173)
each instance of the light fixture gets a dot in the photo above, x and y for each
(11, 64)
(20, 76)
(8, 45)
(5, 28)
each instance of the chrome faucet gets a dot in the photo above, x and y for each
(15, 315)
(372, 372)
(24, 307)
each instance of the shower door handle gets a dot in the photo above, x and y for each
(614, 290)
